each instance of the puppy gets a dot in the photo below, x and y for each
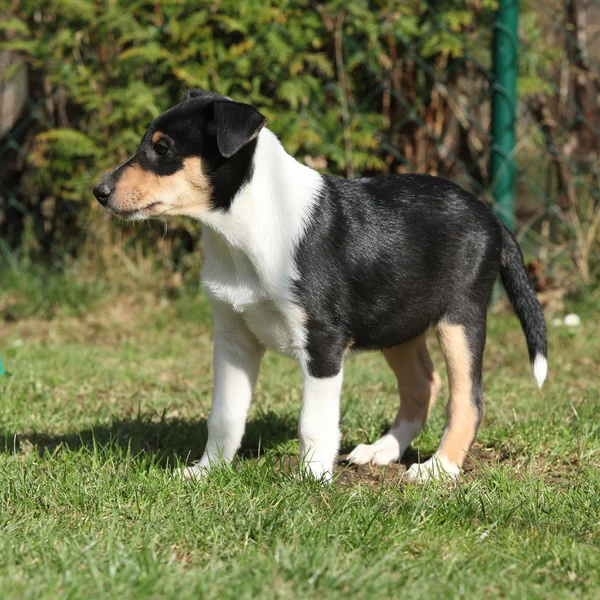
(313, 266)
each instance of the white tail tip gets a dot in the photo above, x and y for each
(540, 369)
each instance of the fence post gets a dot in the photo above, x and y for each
(504, 99)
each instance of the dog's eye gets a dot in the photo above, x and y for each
(161, 147)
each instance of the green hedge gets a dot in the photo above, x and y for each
(360, 87)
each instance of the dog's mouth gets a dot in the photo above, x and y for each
(133, 215)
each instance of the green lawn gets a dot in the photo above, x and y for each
(97, 409)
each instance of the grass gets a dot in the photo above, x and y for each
(104, 399)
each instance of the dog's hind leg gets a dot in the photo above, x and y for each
(462, 345)
(418, 385)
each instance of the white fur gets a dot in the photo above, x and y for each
(319, 424)
(236, 361)
(390, 447)
(437, 467)
(249, 274)
(249, 250)
(540, 369)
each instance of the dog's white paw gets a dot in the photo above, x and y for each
(383, 452)
(435, 468)
(317, 470)
(193, 473)
(320, 473)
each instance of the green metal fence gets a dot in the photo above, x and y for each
(504, 101)
(500, 97)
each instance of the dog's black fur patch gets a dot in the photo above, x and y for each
(385, 258)
(193, 128)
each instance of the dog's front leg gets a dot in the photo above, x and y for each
(319, 427)
(236, 360)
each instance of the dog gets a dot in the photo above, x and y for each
(314, 266)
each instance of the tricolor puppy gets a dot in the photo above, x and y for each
(314, 266)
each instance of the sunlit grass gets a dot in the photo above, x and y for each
(100, 405)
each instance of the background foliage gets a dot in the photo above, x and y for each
(361, 87)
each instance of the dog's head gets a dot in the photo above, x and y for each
(192, 160)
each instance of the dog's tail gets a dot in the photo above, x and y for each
(525, 303)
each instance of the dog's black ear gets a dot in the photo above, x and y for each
(237, 125)
(192, 93)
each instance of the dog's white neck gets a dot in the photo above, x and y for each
(275, 203)
(269, 214)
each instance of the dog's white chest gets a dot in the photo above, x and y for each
(276, 320)
(275, 328)
(272, 327)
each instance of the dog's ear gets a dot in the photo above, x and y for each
(192, 93)
(236, 124)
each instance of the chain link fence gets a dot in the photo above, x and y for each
(559, 122)
(400, 89)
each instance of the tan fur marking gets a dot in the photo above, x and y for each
(461, 412)
(418, 382)
(157, 136)
(186, 192)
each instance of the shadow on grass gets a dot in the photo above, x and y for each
(166, 440)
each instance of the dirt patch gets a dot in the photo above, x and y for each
(375, 476)
(349, 475)
(479, 460)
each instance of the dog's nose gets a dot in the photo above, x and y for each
(102, 193)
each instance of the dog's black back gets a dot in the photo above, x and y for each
(385, 258)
